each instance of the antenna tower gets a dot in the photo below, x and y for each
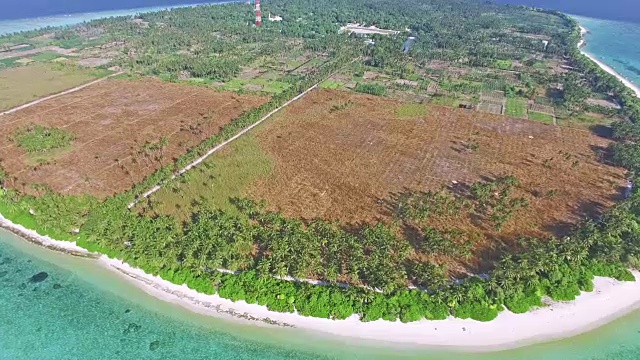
(258, 14)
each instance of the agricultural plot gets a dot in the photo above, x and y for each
(490, 108)
(586, 121)
(516, 107)
(112, 135)
(23, 84)
(540, 108)
(446, 101)
(542, 117)
(493, 102)
(346, 157)
(256, 85)
(330, 84)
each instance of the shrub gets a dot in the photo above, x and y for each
(36, 138)
(521, 303)
(372, 89)
(476, 311)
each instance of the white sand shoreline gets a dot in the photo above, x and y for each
(605, 67)
(611, 299)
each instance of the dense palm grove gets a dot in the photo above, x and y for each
(366, 270)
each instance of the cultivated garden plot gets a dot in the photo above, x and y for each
(120, 132)
(351, 158)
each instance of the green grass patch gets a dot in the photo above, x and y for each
(462, 86)
(330, 84)
(46, 157)
(22, 84)
(36, 138)
(411, 110)
(267, 86)
(223, 176)
(540, 65)
(445, 101)
(592, 120)
(294, 64)
(8, 63)
(516, 107)
(503, 64)
(46, 56)
(536, 116)
(584, 120)
(371, 89)
(543, 100)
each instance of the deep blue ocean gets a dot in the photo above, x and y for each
(35, 14)
(627, 10)
(21, 9)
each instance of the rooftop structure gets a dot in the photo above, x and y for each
(275, 18)
(363, 30)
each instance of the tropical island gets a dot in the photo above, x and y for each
(391, 164)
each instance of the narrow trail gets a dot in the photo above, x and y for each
(65, 92)
(220, 146)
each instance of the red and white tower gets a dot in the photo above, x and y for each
(258, 14)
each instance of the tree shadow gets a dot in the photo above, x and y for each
(603, 154)
(602, 131)
(585, 210)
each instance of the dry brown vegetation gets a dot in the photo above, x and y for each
(124, 130)
(348, 157)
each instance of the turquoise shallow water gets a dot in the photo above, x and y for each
(616, 44)
(83, 311)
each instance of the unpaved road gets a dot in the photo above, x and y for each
(220, 146)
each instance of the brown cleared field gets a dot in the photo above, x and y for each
(346, 157)
(119, 127)
(23, 84)
(348, 164)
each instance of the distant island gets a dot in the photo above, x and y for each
(434, 173)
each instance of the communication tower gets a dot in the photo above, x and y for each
(258, 14)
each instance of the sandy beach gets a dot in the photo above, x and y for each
(610, 299)
(605, 67)
(45, 241)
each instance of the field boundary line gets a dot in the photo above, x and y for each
(65, 92)
(219, 146)
(55, 108)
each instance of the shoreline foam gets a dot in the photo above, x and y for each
(610, 300)
(603, 66)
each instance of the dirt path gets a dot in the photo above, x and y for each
(77, 88)
(220, 146)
